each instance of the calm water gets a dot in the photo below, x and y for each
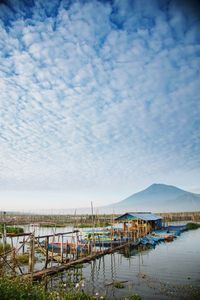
(170, 271)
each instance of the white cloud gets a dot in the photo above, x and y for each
(97, 96)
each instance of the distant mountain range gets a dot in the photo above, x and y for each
(159, 198)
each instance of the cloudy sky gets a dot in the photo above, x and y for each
(98, 99)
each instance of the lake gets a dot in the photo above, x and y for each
(168, 271)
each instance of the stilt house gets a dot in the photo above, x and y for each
(139, 223)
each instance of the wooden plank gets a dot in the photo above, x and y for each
(56, 234)
(54, 270)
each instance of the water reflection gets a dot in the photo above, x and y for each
(169, 270)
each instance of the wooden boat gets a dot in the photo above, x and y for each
(169, 237)
(66, 246)
(164, 235)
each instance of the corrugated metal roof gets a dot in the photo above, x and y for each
(142, 216)
(147, 217)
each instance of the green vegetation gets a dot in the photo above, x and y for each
(134, 297)
(81, 225)
(84, 219)
(20, 289)
(62, 220)
(2, 249)
(11, 229)
(191, 226)
(118, 285)
(23, 258)
(84, 226)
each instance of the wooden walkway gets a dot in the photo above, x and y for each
(54, 270)
(31, 243)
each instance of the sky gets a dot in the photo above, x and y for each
(98, 100)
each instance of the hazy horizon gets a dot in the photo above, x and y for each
(52, 197)
(97, 106)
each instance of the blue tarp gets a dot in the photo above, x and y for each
(141, 216)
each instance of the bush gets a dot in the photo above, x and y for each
(191, 226)
(21, 289)
(18, 288)
(11, 229)
(23, 258)
(7, 248)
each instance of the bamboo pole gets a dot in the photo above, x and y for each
(61, 249)
(55, 270)
(47, 251)
(31, 255)
(14, 259)
(92, 225)
(4, 237)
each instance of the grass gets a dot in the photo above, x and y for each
(23, 258)
(191, 226)
(21, 289)
(7, 248)
(11, 229)
(17, 288)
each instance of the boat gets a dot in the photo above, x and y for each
(164, 234)
(67, 246)
(147, 240)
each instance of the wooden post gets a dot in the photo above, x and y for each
(99, 242)
(4, 237)
(31, 254)
(47, 252)
(93, 227)
(11, 239)
(89, 246)
(14, 258)
(23, 247)
(52, 248)
(61, 249)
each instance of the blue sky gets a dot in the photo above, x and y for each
(99, 99)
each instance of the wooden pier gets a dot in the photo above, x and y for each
(54, 261)
(54, 270)
(62, 250)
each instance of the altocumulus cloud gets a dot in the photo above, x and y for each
(101, 94)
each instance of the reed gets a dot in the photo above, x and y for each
(4, 248)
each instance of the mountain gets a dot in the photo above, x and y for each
(159, 198)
